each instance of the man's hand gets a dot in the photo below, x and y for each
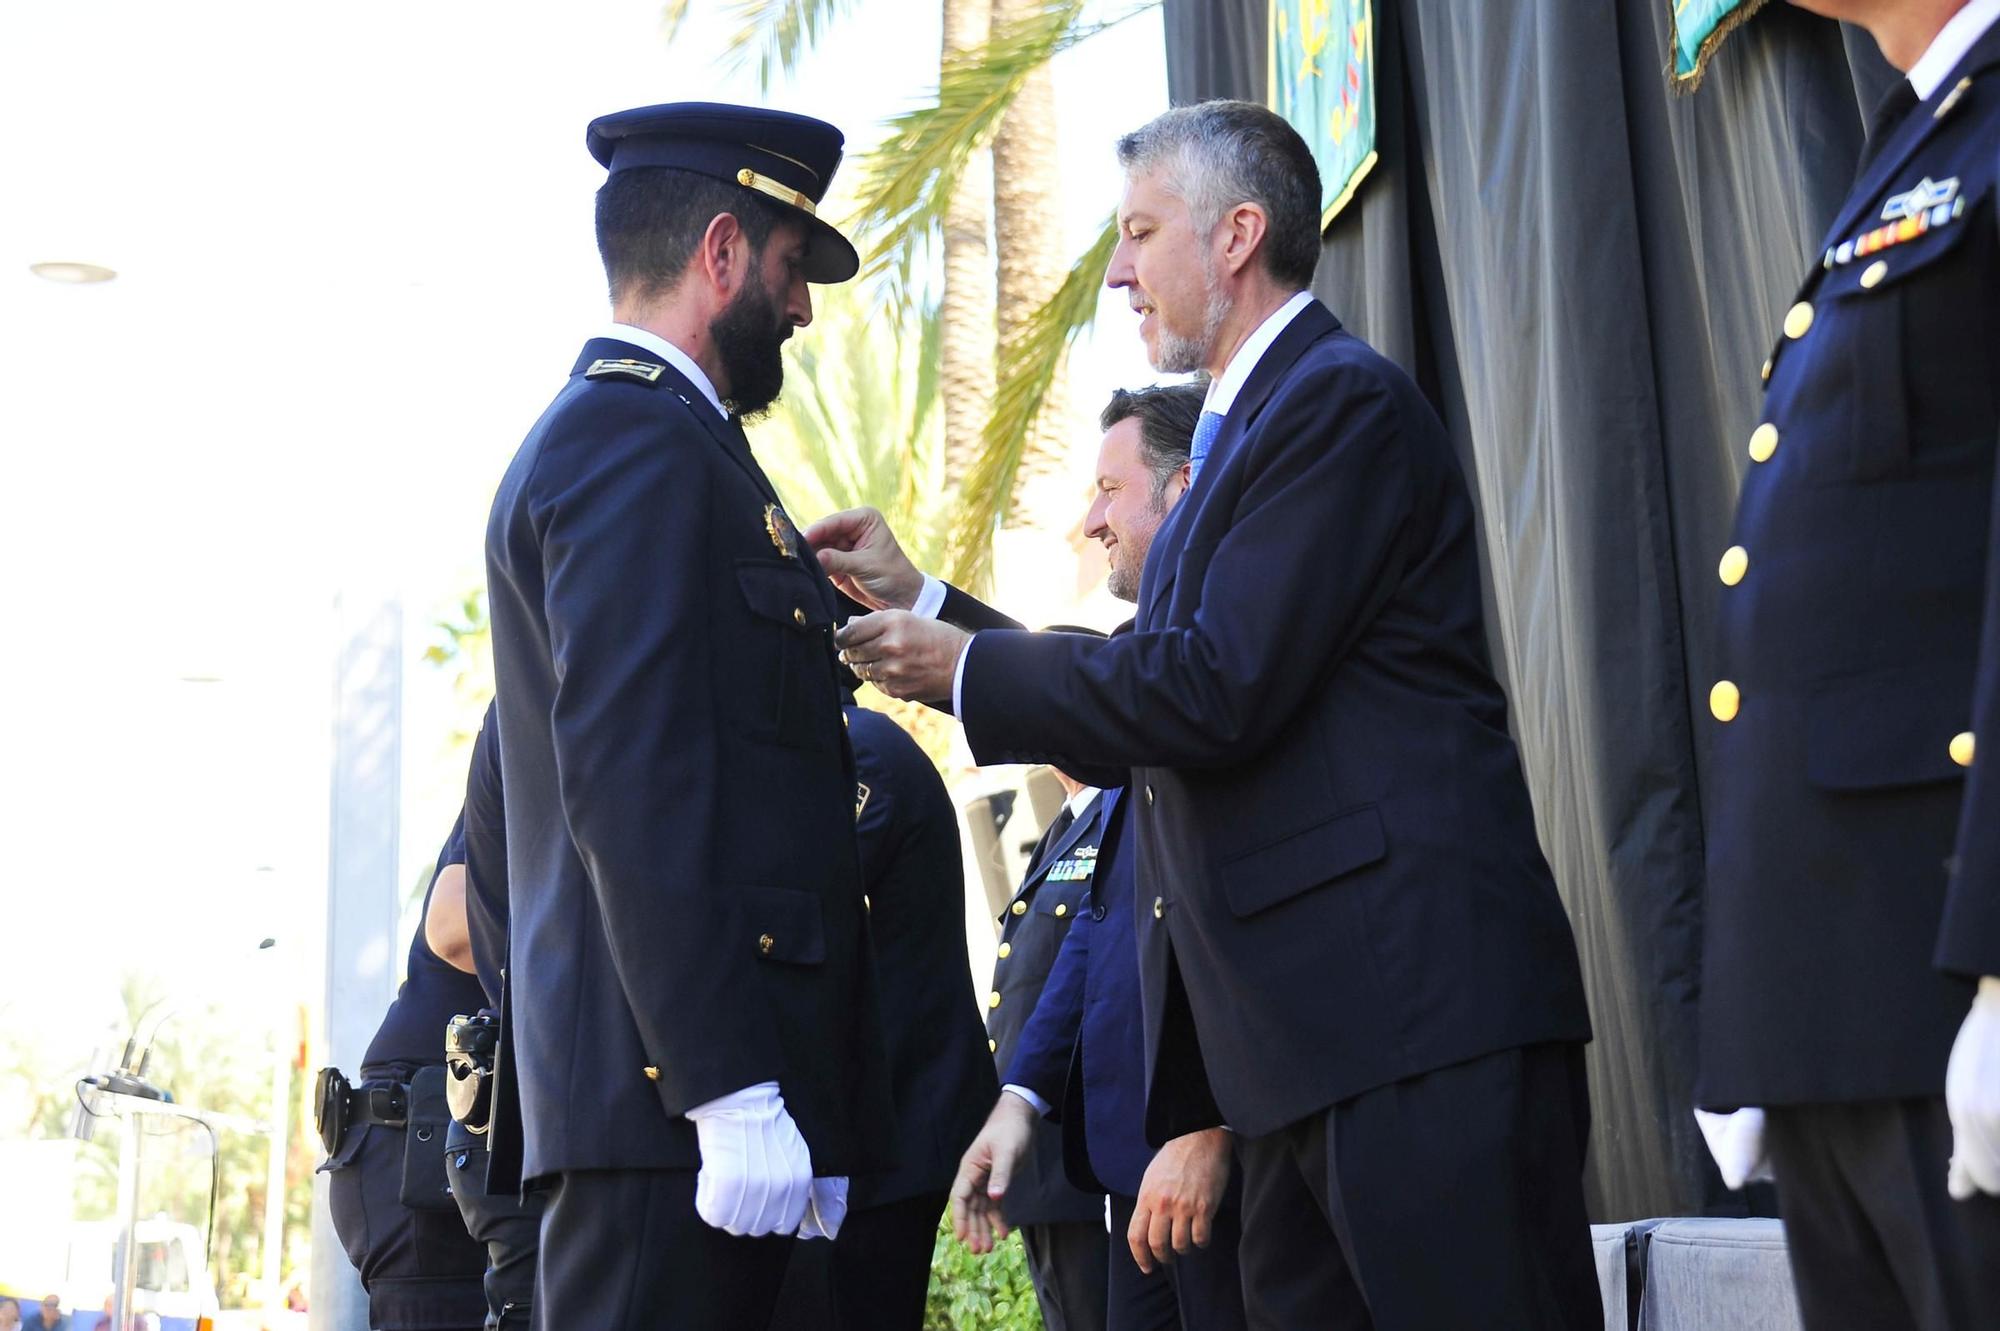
(1736, 1140)
(756, 1173)
(902, 655)
(1972, 1096)
(987, 1169)
(862, 556)
(1178, 1197)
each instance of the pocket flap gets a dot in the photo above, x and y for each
(784, 925)
(1259, 879)
(780, 590)
(1062, 901)
(1885, 731)
(1886, 253)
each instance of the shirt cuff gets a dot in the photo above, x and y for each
(760, 1099)
(1040, 1105)
(958, 680)
(930, 601)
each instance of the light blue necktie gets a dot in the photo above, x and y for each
(1205, 430)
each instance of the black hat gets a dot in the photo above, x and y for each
(787, 158)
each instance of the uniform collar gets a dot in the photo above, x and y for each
(1078, 802)
(1222, 393)
(1953, 40)
(673, 355)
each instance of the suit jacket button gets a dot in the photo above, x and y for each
(1798, 319)
(1723, 701)
(992, 1046)
(1019, 908)
(1097, 912)
(652, 1074)
(765, 943)
(1763, 442)
(866, 904)
(798, 616)
(1005, 949)
(1159, 907)
(1961, 749)
(993, 999)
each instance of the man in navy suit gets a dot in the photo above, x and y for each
(1851, 958)
(691, 1063)
(1353, 953)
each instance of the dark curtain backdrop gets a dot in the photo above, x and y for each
(1585, 272)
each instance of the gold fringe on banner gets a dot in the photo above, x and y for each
(1689, 82)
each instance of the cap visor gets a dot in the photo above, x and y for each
(831, 258)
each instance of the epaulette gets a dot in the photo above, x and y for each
(625, 368)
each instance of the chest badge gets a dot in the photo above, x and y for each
(781, 531)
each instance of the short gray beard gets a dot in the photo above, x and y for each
(1185, 355)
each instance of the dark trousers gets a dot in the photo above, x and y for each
(874, 1277)
(1451, 1199)
(420, 1268)
(624, 1248)
(1067, 1262)
(1197, 1291)
(1875, 1240)
(510, 1228)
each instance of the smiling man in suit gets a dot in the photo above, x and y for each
(1353, 953)
(690, 1022)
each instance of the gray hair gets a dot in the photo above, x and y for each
(1220, 154)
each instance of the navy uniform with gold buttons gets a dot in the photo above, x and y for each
(1851, 609)
(686, 918)
(1061, 1225)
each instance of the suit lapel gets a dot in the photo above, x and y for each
(1311, 324)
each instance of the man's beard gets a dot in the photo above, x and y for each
(1128, 559)
(750, 337)
(1178, 354)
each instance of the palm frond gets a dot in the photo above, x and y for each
(1028, 367)
(777, 34)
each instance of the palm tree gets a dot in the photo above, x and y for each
(966, 310)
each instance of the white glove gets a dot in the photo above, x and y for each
(755, 1168)
(825, 1209)
(1736, 1141)
(1972, 1096)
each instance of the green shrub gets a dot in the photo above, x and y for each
(990, 1293)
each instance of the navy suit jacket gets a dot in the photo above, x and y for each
(914, 873)
(685, 898)
(1083, 1050)
(1849, 848)
(1339, 883)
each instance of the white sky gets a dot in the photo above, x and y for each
(355, 260)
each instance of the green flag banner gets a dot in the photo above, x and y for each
(1323, 83)
(1697, 28)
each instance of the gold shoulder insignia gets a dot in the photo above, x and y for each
(625, 367)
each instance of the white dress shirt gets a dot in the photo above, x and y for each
(1954, 39)
(672, 355)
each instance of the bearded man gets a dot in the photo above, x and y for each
(690, 1063)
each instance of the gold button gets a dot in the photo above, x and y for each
(652, 1074)
(1872, 275)
(1005, 950)
(993, 999)
(1961, 749)
(1735, 563)
(1765, 373)
(845, 720)
(1159, 907)
(1019, 908)
(765, 943)
(746, 176)
(1763, 442)
(866, 904)
(1061, 911)
(1723, 700)
(992, 1046)
(798, 616)
(1798, 319)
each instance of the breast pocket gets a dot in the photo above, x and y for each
(787, 671)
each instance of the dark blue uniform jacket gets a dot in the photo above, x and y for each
(1859, 644)
(685, 900)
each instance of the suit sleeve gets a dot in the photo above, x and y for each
(1313, 549)
(622, 517)
(1969, 938)
(1042, 1058)
(966, 611)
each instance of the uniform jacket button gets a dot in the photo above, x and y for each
(993, 999)
(1763, 442)
(652, 1074)
(1735, 563)
(1005, 950)
(1961, 749)
(765, 943)
(1159, 907)
(1019, 908)
(1724, 700)
(1061, 910)
(1798, 319)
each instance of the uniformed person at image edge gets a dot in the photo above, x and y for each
(689, 1016)
(1852, 863)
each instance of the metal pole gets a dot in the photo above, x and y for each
(128, 1219)
(361, 891)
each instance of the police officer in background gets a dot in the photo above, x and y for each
(1062, 1226)
(690, 1058)
(385, 1135)
(1850, 1014)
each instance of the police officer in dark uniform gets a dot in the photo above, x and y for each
(508, 1223)
(385, 1136)
(689, 1034)
(876, 1275)
(1851, 903)
(1062, 1226)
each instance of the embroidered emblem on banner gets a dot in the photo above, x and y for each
(1322, 81)
(781, 531)
(1908, 227)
